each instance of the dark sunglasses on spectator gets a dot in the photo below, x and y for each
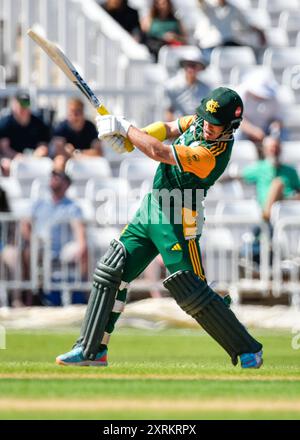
(62, 175)
(191, 64)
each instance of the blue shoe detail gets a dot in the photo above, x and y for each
(251, 360)
(75, 357)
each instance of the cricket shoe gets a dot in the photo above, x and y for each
(251, 360)
(76, 358)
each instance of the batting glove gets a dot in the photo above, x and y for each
(109, 125)
(117, 143)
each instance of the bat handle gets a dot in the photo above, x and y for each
(103, 111)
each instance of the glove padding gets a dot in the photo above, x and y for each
(117, 143)
(109, 125)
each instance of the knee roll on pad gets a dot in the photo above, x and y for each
(197, 299)
(106, 281)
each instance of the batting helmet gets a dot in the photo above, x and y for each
(222, 106)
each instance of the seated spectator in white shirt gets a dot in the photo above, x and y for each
(185, 91)
(223, 24)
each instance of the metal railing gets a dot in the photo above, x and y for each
(286, 258)
(227, 257)
(234, 257)
(14, 274)
(50, 261)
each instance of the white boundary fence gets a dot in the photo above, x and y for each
(286, 258)
(47, 269)
(226, 245)
(228, 252)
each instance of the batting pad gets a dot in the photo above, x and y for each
(197, 299)
(107, 279)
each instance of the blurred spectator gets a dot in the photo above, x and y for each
(274, 180)
(126, 16)
(185, 90)
(161, 27)
(58, 219)
(75, 135)
(68, 240)
(262, 108)
(21, 130)
(221, 24)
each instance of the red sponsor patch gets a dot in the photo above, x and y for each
(238, 112)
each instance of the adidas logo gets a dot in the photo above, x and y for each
(176, 247)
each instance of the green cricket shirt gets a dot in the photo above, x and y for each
(199, 162)
(262, 174)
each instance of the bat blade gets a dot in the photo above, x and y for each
(63, 62)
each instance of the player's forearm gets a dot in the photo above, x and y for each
(150, 146)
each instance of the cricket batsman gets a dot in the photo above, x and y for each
(169, 226)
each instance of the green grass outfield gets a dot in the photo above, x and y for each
(163, 375)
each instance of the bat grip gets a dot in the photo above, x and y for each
(128, 145)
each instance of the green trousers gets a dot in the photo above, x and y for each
(153, 231)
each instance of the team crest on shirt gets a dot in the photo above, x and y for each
(212, 106)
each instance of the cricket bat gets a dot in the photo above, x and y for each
(62, 61)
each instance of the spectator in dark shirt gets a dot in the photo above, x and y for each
(21, 130)
(74, 136)
(127, 17)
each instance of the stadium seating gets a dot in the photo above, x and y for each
(277, 37)
(231, 190)
(291, 79)
(238, 72)
(136, 170)
(87, 210)
(99, 239)
(27, 169)
(21, 208)
(12, 187)
(244, 151)
(278, 58)
(81, 171)
(275, 7)
(285, 209)
(290, 116)
(286, 249)
(289, 20)
(243, 210)
(291, 152)
(258, 17)
(116, 185)
(225, 58)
